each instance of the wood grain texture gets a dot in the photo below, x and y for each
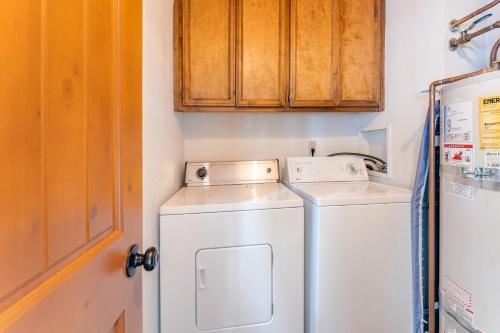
(262, 40)
(361, 51)
(333, 51)
(119, 326)
(314, 52)
(65, 129)
(178, 56)
(100, 95)
(209, 52)
(72, 201)
(253, 109)
(21, 189)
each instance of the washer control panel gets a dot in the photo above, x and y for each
(326, 169)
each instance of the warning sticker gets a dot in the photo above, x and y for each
(458, 123)
(492, 159)
(458, 154)
(489, 122)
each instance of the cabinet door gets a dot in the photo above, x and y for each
(208, 30)
(314, 53)
(362, 52)
(261, 52)
(337, 49)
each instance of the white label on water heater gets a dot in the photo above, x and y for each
(458, 123)
(492, 159)
(458, 147)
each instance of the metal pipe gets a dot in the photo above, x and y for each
(494, 63)
(485, 30)
(454, 24)
(432, 188)
(466, 37)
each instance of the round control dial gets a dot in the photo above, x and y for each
(202, 173)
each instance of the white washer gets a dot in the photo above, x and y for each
(232, 252)
(358, 248)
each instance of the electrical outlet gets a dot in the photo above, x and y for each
(312, 147)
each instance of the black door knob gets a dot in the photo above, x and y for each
(149, 260)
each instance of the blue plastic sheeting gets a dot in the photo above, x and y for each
(418, 223)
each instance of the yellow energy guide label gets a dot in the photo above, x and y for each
(489, 123)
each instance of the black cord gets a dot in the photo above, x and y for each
(368, 157)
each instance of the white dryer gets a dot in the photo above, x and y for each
(358, 248)
(232, 244)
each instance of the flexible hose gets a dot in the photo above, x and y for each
(358, 154)
(380, 164)
(494, 54)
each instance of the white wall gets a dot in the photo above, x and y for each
(162, 139)
(474, 55)
(414, 58)
(416, 54)
(261, 136)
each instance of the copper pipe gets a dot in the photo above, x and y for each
(432, 188)
(455, 23)
(485, 30)
(466, 37)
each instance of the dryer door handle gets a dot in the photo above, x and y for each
(201, 278)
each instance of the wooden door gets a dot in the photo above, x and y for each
(70, 139)
(314, 53)
(362, 52)
(208, 61)
(262, 57)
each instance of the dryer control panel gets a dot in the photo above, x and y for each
(326, 169)
(232, 173)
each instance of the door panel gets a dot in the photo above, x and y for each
(70, 198)
(101, 101)
(362, 51)
(314, 53)
(262, 43)
(209, 52)
(64, 128)
(20, 143)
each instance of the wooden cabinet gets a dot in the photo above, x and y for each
(361, 53)
(314, 61)
(279, 55)
(208, 51)
(262, 55)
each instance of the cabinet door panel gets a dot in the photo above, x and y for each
(262, 43)
(314, 52)
(209, 52)
(361, 51)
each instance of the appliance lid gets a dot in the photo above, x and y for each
(231, 173)
(228, 198)
(326, 169)
(350, 193)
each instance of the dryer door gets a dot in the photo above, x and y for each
(234, 287)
